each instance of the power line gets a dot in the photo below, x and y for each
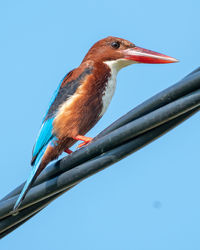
(134, 130)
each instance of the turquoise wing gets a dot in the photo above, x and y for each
(45, 134)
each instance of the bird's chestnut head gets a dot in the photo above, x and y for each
(121, 52)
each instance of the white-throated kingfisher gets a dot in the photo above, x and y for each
(82, 98)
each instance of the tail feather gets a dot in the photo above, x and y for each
(34, 173)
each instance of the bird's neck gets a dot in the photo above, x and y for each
(107, 72)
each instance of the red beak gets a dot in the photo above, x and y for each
(141, 55)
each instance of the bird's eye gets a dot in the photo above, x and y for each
(115, 45)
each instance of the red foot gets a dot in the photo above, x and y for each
(68, 151)
(85, 140)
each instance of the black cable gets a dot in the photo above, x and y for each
(185, 86)
(140, 126)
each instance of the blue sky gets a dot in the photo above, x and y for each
(149, 200)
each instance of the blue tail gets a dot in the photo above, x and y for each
(35, 171)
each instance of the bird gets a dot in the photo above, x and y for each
(81, 99)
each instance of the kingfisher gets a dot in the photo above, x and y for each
(82, 98)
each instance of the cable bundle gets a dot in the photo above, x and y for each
(134, 130)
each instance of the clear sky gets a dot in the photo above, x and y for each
(149, 200)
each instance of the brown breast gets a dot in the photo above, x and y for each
(81, 112)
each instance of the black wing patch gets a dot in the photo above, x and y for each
(65, 92)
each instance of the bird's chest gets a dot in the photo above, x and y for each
(108, 93)
(85, 107)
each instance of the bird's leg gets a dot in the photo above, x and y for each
(85, 140)
(68, 151)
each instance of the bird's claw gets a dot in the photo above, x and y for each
(68, 151)
(83, 144)
(85, 140)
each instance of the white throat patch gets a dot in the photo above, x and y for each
(114, 66)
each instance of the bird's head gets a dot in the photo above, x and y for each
(119, 53)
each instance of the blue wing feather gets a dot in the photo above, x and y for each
(53, 98)
(46, 131)
(44, 136)
(60, 95)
